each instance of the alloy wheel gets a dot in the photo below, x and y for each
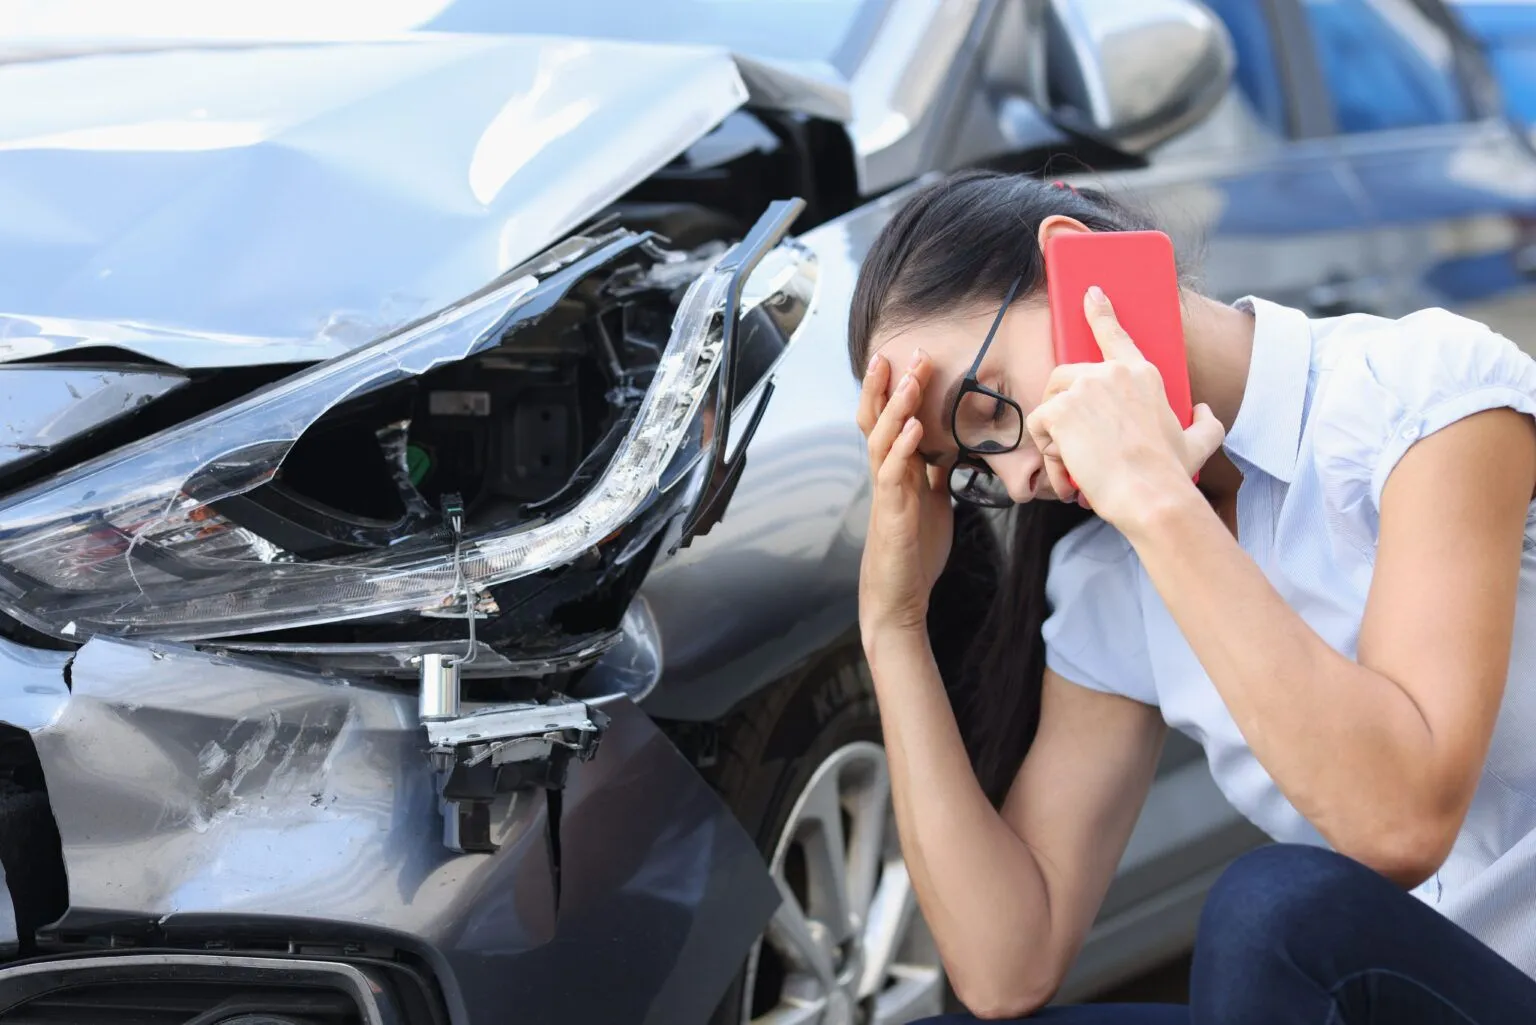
(847, 945)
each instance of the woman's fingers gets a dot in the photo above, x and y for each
(872, 394)
(901, 405)
(1038, 424)
(897, 467)
(899, 484)
(1114, 343)
(905, 399)
(1065, 375)
(1202, 437)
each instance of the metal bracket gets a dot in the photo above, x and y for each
(504, 748)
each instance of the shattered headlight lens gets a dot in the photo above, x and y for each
(131, 544)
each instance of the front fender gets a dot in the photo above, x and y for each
(202, 797)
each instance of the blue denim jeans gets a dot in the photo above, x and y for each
(1295, 935)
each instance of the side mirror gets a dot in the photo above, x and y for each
(1134, 73)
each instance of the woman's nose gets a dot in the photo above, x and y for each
(1022, 471)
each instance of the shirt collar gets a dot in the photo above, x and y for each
(1267, 431)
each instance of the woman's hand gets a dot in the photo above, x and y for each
(1110, 424)
(911, 521)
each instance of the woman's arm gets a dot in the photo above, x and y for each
(1382, 754)
(1010, 897)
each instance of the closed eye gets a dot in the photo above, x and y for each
(1000, 409)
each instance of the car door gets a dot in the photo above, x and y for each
(1449, 182)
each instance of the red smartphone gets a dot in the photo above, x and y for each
(1136, 269)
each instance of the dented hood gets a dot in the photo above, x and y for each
(215, 205)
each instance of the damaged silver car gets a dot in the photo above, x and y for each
(430, 503)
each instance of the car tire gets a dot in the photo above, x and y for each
(780, 759)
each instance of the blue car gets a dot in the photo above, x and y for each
(1506, 30)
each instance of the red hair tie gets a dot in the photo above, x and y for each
(1059, 184)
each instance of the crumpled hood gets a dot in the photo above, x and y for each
(221, 205)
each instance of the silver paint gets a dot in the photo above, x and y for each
(1145, 71)
(631, 669)
(187, 217)
(191, 789)
(45, 406)
(33, 693)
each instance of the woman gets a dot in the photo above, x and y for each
(1343, 613)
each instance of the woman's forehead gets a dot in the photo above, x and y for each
(943, 340)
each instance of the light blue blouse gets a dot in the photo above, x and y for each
(1330, 407)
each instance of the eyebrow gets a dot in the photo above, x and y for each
(947, 410)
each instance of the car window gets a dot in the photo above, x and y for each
(1258, 69)
(1385, 63)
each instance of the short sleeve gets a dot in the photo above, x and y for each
(1094, 635)
(1405, 380)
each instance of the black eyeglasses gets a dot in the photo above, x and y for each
(983, 423)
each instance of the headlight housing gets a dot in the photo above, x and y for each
(134, 544)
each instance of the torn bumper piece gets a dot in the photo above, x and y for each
(205, 799)
(502, 749)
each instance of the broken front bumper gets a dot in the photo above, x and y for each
(206, 802)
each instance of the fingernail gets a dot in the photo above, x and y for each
(906, 379)
(917, 357)
(909, 426)
(874, 361)
(1096, 295)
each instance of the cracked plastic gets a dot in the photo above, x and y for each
(107, 546)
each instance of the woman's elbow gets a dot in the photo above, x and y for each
(1408, 853)
(1003, 996)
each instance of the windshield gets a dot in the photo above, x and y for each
(815, 30)
(833, 31)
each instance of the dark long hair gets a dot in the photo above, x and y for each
(956, 246)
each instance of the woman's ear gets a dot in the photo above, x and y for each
(1058, 223)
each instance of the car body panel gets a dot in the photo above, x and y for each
(1506, 30)
(192, 792)
(190, 218)
(889, 69)
(1453, 209)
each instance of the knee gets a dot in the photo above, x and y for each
(1275, 897)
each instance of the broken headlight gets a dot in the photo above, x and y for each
(170, 536)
